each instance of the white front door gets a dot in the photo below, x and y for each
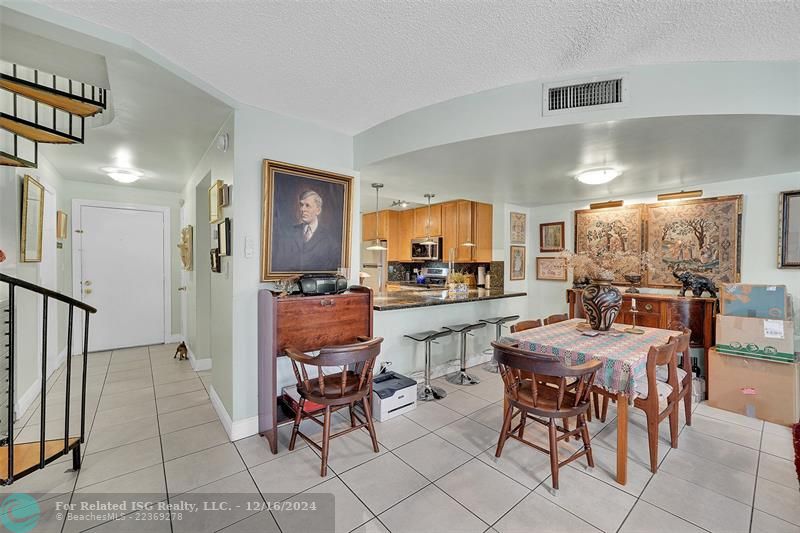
(122, 274)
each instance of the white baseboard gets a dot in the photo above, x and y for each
(237, 429)
(198, 365)
(55, 364)
(28, 398)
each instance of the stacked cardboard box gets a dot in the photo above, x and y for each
(754, 369)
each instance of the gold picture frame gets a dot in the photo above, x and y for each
(703, 236)
(215, 208)
(61, 225)
(30, 242)
(551, 268)
(517, 263)
(306, 221)
(610, 230)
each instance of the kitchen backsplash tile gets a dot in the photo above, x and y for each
(405, 271)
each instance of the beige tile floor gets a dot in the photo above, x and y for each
(152, 431)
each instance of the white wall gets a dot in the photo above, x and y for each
(263, 135)
(759, 237)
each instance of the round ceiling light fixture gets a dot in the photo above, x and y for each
(597, 176)
(123, 175)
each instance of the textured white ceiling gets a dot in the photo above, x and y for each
(351, 64)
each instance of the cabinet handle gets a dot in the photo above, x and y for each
(327, 303)
(648, 307)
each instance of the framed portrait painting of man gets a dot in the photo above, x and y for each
(306, 221)
(701, 236)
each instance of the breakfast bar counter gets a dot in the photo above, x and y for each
(401, 298)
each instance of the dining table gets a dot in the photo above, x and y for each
(624, 358)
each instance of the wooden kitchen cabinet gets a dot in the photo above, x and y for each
(465, 221)
(421, 221)
(483, 214)
(405, 232)
(449, 229)
(368, 225)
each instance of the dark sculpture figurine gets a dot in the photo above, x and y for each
(697, 284)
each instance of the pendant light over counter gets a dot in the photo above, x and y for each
(428, 240)
(377, 246)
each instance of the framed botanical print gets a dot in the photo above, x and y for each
(517, 263)
(610, 230)
(702, 236)
(306, 221)
(215, 202)
(789, 234)
(551, 268)
(518, 227)
(551, 237)
(224, 237)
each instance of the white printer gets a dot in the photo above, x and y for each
(392, 395)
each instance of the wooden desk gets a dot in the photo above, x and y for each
(624, 361)
(666, 312)
(307, 323)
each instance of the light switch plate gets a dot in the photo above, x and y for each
(249, 247)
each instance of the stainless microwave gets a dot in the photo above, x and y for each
(426, 252)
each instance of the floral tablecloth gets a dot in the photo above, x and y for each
(624, 357)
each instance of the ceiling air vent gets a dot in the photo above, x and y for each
(595, 94)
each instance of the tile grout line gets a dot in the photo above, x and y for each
(160, 442)
(88, 436)
(755, 484)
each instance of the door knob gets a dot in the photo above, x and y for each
(87, 291)
(181, 288)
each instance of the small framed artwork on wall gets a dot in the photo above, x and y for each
(215, 264)
(551, 237)
(224, 237)
(789, 236)
(518, 228)
(215, 202)
(517, 263)
(551, 268)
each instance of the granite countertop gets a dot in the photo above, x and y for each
(397, 298)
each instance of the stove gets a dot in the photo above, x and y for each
(435, 276)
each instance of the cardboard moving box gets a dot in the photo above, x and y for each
(758, 338)
(772, 390)
(755, 301)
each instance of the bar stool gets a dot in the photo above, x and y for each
(428, 392)
(461, 377)
(498, 321)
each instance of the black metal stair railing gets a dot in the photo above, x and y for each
(48, 450)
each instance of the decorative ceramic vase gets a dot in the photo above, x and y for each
(601, 303)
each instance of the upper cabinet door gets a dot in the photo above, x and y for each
(421, 221)
(405, 232)
(368, 225)
(449, 230)
(482, 228)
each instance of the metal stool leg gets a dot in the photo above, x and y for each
(461, 377)
(428, 392)
(491, 366)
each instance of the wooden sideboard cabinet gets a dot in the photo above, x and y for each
(666, 312)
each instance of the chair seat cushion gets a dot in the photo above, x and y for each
(662, 374)
(642, 390)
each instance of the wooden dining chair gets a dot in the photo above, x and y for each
(545, 403)
(555, 319)
(344, 388)
(684, 373)
(522, 325)
(652, 394)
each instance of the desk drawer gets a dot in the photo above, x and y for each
(315, 321)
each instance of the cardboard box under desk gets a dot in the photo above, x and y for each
(771, 388)
(758, 338)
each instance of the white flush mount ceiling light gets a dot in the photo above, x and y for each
(122, 175)
(597, 176)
